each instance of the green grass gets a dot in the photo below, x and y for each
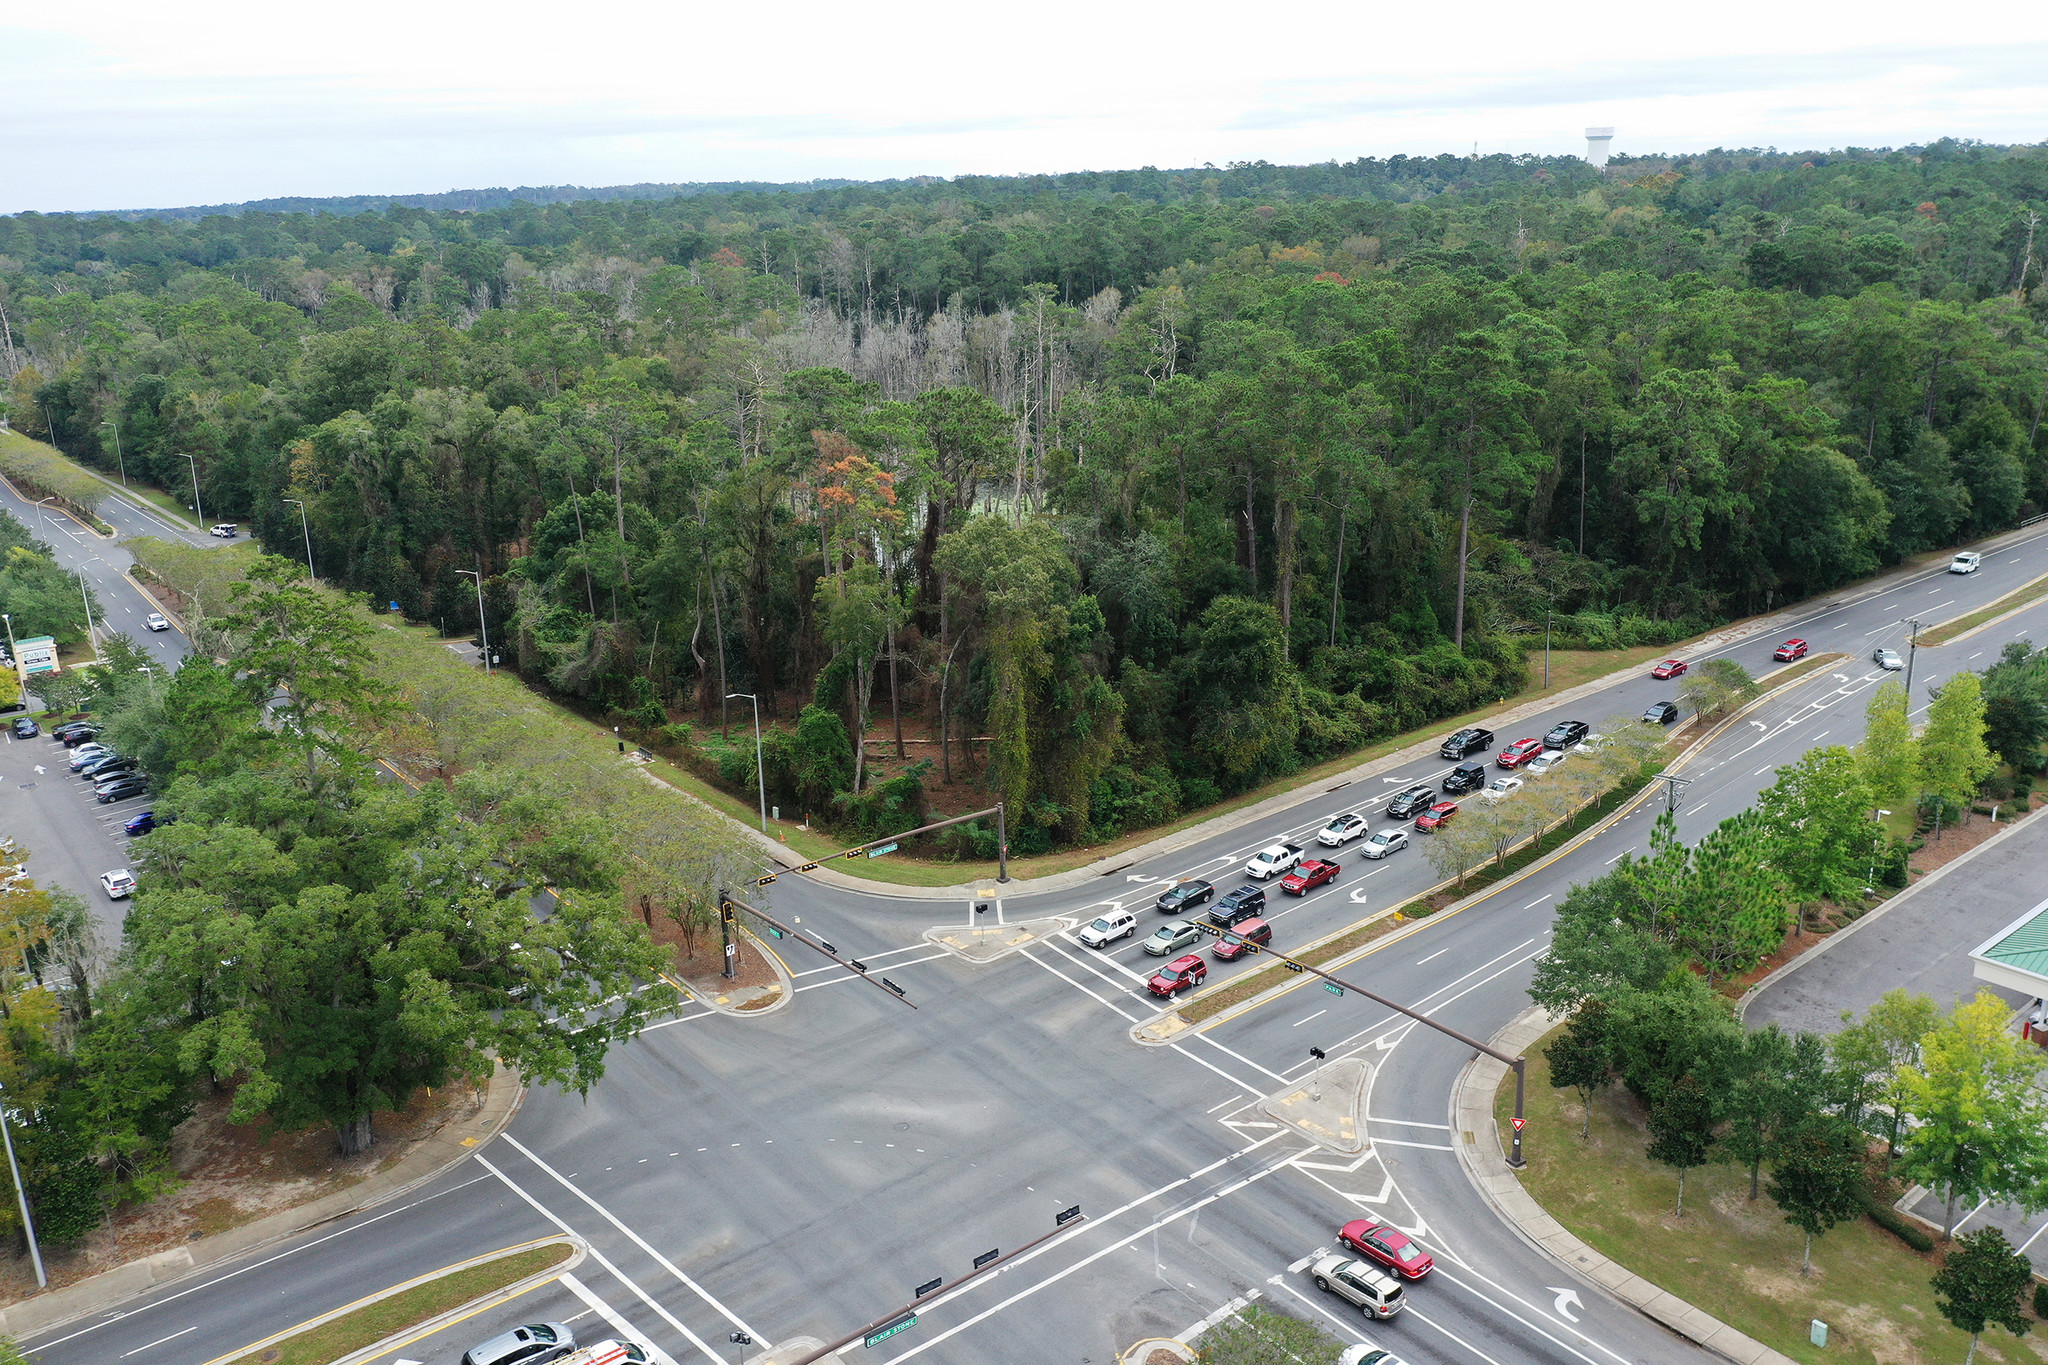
(373, 1322)
(1732, 1258)
(1948, 630)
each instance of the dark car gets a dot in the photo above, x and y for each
(108, 765)
(1466, 777)
(84, 734)
(1467, 742)
(1566, 733)
(61, 731)
(1248, 937)
(138, 825)
(25, 727)
(1660, 713)
(121, 788)
(1388, 1245)
(528, 1345)
(1237, 907)
(1186, 896)
(1411, 803)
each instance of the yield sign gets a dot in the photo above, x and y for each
(1518, 1121)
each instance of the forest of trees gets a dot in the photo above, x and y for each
(1159, 484)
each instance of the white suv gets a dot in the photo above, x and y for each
(225, 530)
(1966, 562)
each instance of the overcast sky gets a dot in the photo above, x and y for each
(125, 104)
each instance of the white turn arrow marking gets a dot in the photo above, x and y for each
(1358, 896)
(1758, 724)
(1841, 677)
(1141, 879)
(1393, 779)
(1564, 1297)
(39, 768)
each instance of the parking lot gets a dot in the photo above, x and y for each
(48, 809)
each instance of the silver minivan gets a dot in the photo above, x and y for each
(1110, 926)
(1377, 1293)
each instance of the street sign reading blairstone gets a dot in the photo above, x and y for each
(882, 1334)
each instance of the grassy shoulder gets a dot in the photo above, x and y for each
(384, 1317)
(2018, 597)
(1729, 1257)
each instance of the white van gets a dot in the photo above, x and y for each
(1966, 562)
(1111, 926)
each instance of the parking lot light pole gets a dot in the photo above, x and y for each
(482, 625)
(21, 1197)
(198, 509)
(311, 572)
(117, 451)
(760, 772)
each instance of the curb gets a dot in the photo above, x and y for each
(173, 617)
(1750, 995)
(1485, 1165)
(60, 511)
(1992, 621)
(449, 1146)
(783, 976)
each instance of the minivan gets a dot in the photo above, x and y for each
(1239, 906)
(1467, 742)
(1107, 928)
(1255, 932)
(1966, 562)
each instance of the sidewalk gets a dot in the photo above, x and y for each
(453, 1143)
(1478, 1145)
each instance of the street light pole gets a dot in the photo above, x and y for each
(483, 626)
(21, 1198)
(43, 522)
(197, 509)
(117, 451)
(760, 771)
(311, 572)
(1912, 649)
(86, 598)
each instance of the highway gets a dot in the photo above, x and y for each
(801, 1172)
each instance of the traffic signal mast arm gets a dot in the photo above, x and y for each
(727, 906)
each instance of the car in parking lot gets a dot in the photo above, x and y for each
(1790, 650)
(1518, 753)
(120, 788)
(1888, 659)
(138, 825)
(1670, 668)
(64, 731)
(1341, 830)
(1565, 733)
(1185, 895)
(25, 727)
(1181, 974)
(1501, 788)
(1250, 936)
(1467, 742)
(106, 765)
(1966, 562)
(1466, 777)
(1388, 1245)
(118, 884)
(1237, 907)
(1383, 842)
(1660, 713)
(1545, 762)
(1311, 874)
(155, 621)
(529, 1345)
(1436, 817)
(1358, 1283)
(1412, 802)
(1172, 937)
(87, 753)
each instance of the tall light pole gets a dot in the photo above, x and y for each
(1912, 649)
(482, 625)
(86, 598)
(117, 451)
(21, 1197)
(197, 509)
(145, 668)
(760, 772)
(43, 522)
(310, 571)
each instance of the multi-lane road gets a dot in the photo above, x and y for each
(800, 1172)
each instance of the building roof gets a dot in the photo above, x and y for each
(2016, 957)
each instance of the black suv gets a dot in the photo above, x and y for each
(1467, 742)
(1660, 713)
(1247, 902)
(1185, 895)
(1466, 777)
(1411, 803)
(1565, 733)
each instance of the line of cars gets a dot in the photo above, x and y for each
(1372, 1279)
(541, 1343)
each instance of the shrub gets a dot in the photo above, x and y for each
(2041, 1300)
(887, 807)
(1891, 863)
(677, 734)
(1899, 1226)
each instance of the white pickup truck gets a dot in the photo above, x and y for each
(1271, 862)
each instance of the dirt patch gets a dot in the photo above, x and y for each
(1956, 840)
(1161, 1356)
(235, 1173)
(701, 970)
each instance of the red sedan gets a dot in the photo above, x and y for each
(1518, 753)
(1790, 650)
(1312, 873)
(1389, 1246)
(1670, 668)
(1437, 816)
(1181, 974)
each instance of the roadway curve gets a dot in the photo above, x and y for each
(800, 1172)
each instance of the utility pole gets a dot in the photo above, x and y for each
(483, 626)
(21, 1197)
(311, 572)
(117, 451)
(86, 598)
(197, 510)
(760, 771)
(1671, 785)
(1912, 649)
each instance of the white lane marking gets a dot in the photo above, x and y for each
(1617, 857)
(1317, 1015)
(598, 1256)
(1538, 901)
(1432, 957)
(664, 1262)
(1425, 1146)
(1761, 771)
(159, 1341)
(1412, 1123)
(615, 1318)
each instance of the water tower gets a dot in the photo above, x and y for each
(1596, 145)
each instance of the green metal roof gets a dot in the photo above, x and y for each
(2024, 946)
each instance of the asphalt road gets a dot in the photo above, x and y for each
(801, 1172)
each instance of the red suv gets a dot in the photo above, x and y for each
(1437, 815)
(1181, 974)
(1518, 753)
(1790, 650)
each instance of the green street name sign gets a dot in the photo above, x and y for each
(902, 1324)
(1334, 990)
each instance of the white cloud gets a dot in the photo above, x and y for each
(145, 104)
